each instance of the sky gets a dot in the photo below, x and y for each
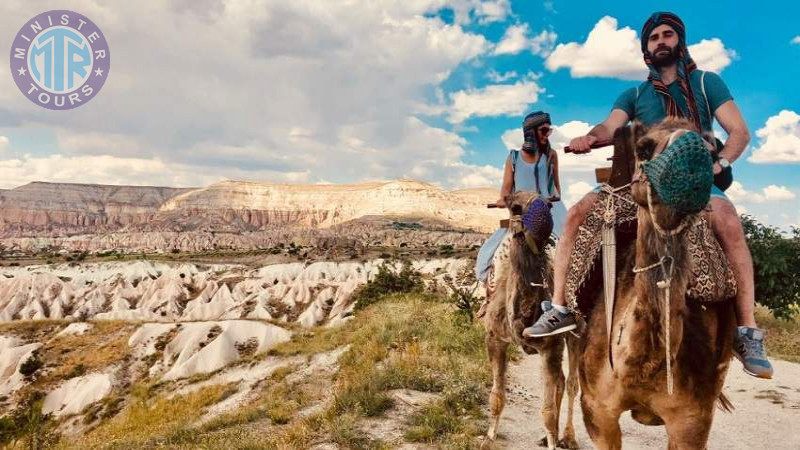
(343, 91)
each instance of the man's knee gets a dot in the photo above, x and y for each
(725, 220)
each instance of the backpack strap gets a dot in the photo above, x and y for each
(705, 96)
(639, 89)
(514, 156)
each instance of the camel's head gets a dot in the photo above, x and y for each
(674, 174)
(530, 217)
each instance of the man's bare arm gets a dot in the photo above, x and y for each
(730, 118)
(602, 132)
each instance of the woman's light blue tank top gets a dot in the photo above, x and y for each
(525, 175)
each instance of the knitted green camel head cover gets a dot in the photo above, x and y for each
(682, 174)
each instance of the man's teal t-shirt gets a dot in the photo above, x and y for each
(644, 104)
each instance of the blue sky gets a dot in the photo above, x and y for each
(321, 91)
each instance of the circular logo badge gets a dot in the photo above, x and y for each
(60, 59)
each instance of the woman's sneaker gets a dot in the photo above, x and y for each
(551, 322)
(748, 347)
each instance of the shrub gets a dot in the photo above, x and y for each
(30, 366)
(26, 423)
(776, 263)
(388, 281)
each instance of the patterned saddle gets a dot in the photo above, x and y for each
(711, 280)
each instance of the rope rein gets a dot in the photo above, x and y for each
(667, 265)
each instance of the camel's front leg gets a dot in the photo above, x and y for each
(553, 391)
(569, 441)
(688, 431)
(602, 423)
(498, 355)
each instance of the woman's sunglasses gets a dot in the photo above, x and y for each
(545, 130)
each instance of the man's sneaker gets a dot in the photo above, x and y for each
(748, 347)
(552, 322)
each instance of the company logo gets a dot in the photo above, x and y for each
(60, 59)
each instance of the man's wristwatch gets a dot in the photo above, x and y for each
(724, 179)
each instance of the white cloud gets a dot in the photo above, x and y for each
(576, 191)
(488, 11)
(542, 44)
(774, 205)
(465, 11)
(570, 162)
(470, 176)
(493, 100)
(796, 40)
(512, 138)
(516, 40)
(97, 143)
(497, 77)
(779, 140)
(3, 143)
(615, 52)
(324, 89)
(105, 169)
(607, 52)
(772, 193)
(711, 54)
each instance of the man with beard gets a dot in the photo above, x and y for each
(674, 88)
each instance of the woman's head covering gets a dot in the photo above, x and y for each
(685, 66)
(529, 125)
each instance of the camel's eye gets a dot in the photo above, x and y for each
(516, 210)
(645, 149)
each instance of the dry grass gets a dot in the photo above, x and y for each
(404, 341)
(783, 336)
(69, 356)
(150, 422)
(32, 330)
(412, 341)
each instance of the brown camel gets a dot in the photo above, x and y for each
(523, 274)
(699, 335)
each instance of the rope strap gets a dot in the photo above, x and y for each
(667, 265)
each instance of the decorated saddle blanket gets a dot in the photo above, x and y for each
(711, 280)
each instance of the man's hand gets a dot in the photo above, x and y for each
(717, 168)
(582, 144)
(500, 203)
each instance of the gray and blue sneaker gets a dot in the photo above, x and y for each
(551, 322)
(748, 347)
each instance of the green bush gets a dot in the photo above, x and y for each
(776, 263)
(27, 425)
(30, 366)
(388, 281)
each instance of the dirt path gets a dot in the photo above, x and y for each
(767, 412)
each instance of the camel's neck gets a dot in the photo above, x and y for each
(651, 248)
(647, 304)
(530, 270)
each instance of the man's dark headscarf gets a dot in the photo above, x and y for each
(529, 126)
(685, 66)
